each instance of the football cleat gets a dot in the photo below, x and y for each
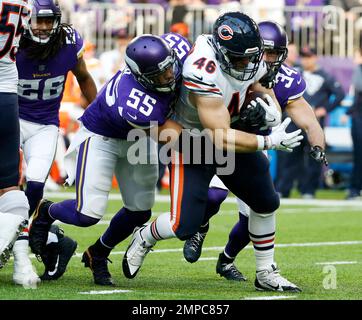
(38, 233)
(10, 227)
(269, 279)
(99, 268)
(229, 271)
(24, 272)
(57, 255)
(193, 247)
(135, 254)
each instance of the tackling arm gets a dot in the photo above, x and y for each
(85, 80)
(215, 117)
(303, 116)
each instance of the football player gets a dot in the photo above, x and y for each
(289, 87)
(217, 74)
(140, 97)
(14, 205)
(47, 51)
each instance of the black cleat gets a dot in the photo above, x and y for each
(228, 270)
(99, 268)
(56, 255)
(38, 233)
(193, 247)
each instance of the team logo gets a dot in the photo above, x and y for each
(225, 32)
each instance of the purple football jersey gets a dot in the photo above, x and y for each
(179, 43)
(290, 85)
(124, 104)
(41, 85)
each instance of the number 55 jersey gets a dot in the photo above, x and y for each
(124, 104)
(13, 15)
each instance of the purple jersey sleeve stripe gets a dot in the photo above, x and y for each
(295, 97)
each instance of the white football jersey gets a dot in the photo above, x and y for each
(202, 75)
(13, 13)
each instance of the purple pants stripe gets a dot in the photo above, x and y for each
(81, 166)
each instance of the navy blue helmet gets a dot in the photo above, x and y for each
(149, 56)
(275, 40)
(237, 45)
(44, 9)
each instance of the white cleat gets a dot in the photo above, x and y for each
(10, 227)
(269, 279)
(24, 272)
(135, 254)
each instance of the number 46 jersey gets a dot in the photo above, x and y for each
(13, 14)
(203, 76)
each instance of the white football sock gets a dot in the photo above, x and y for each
(159, 229)
(262, 233)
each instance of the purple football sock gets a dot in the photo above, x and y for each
(122, 225)
(216, 196)
(66, 212)
(34, 192)
(238, 237)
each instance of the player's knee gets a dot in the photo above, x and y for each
(140, 217)
(15, 202)
(96, 207)
(269, 204)
(216, 196)
(86, 221)
(142, 201)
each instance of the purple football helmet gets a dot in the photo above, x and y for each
(275, 40)
(44, 9)
(149, 56)
(236, 38)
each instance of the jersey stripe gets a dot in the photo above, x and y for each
(199, 89)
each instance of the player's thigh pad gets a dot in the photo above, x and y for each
(96, 161)
(137, 178)
(39, 143)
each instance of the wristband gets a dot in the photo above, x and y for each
(261, 142)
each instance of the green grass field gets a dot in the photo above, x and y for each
(318, 247)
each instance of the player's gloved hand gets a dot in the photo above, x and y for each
(272, 114)
(268, 80)
(318, 154)
(253, 116)
(281, 140)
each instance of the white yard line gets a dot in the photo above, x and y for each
(336, 262)
(270, 298)
(166, 198)
(104, 291)
(281, 245)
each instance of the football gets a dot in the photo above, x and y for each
(243, 123)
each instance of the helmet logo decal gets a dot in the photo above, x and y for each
(225, 32)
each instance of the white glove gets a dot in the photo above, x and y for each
(272, 115)
(281, 140)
